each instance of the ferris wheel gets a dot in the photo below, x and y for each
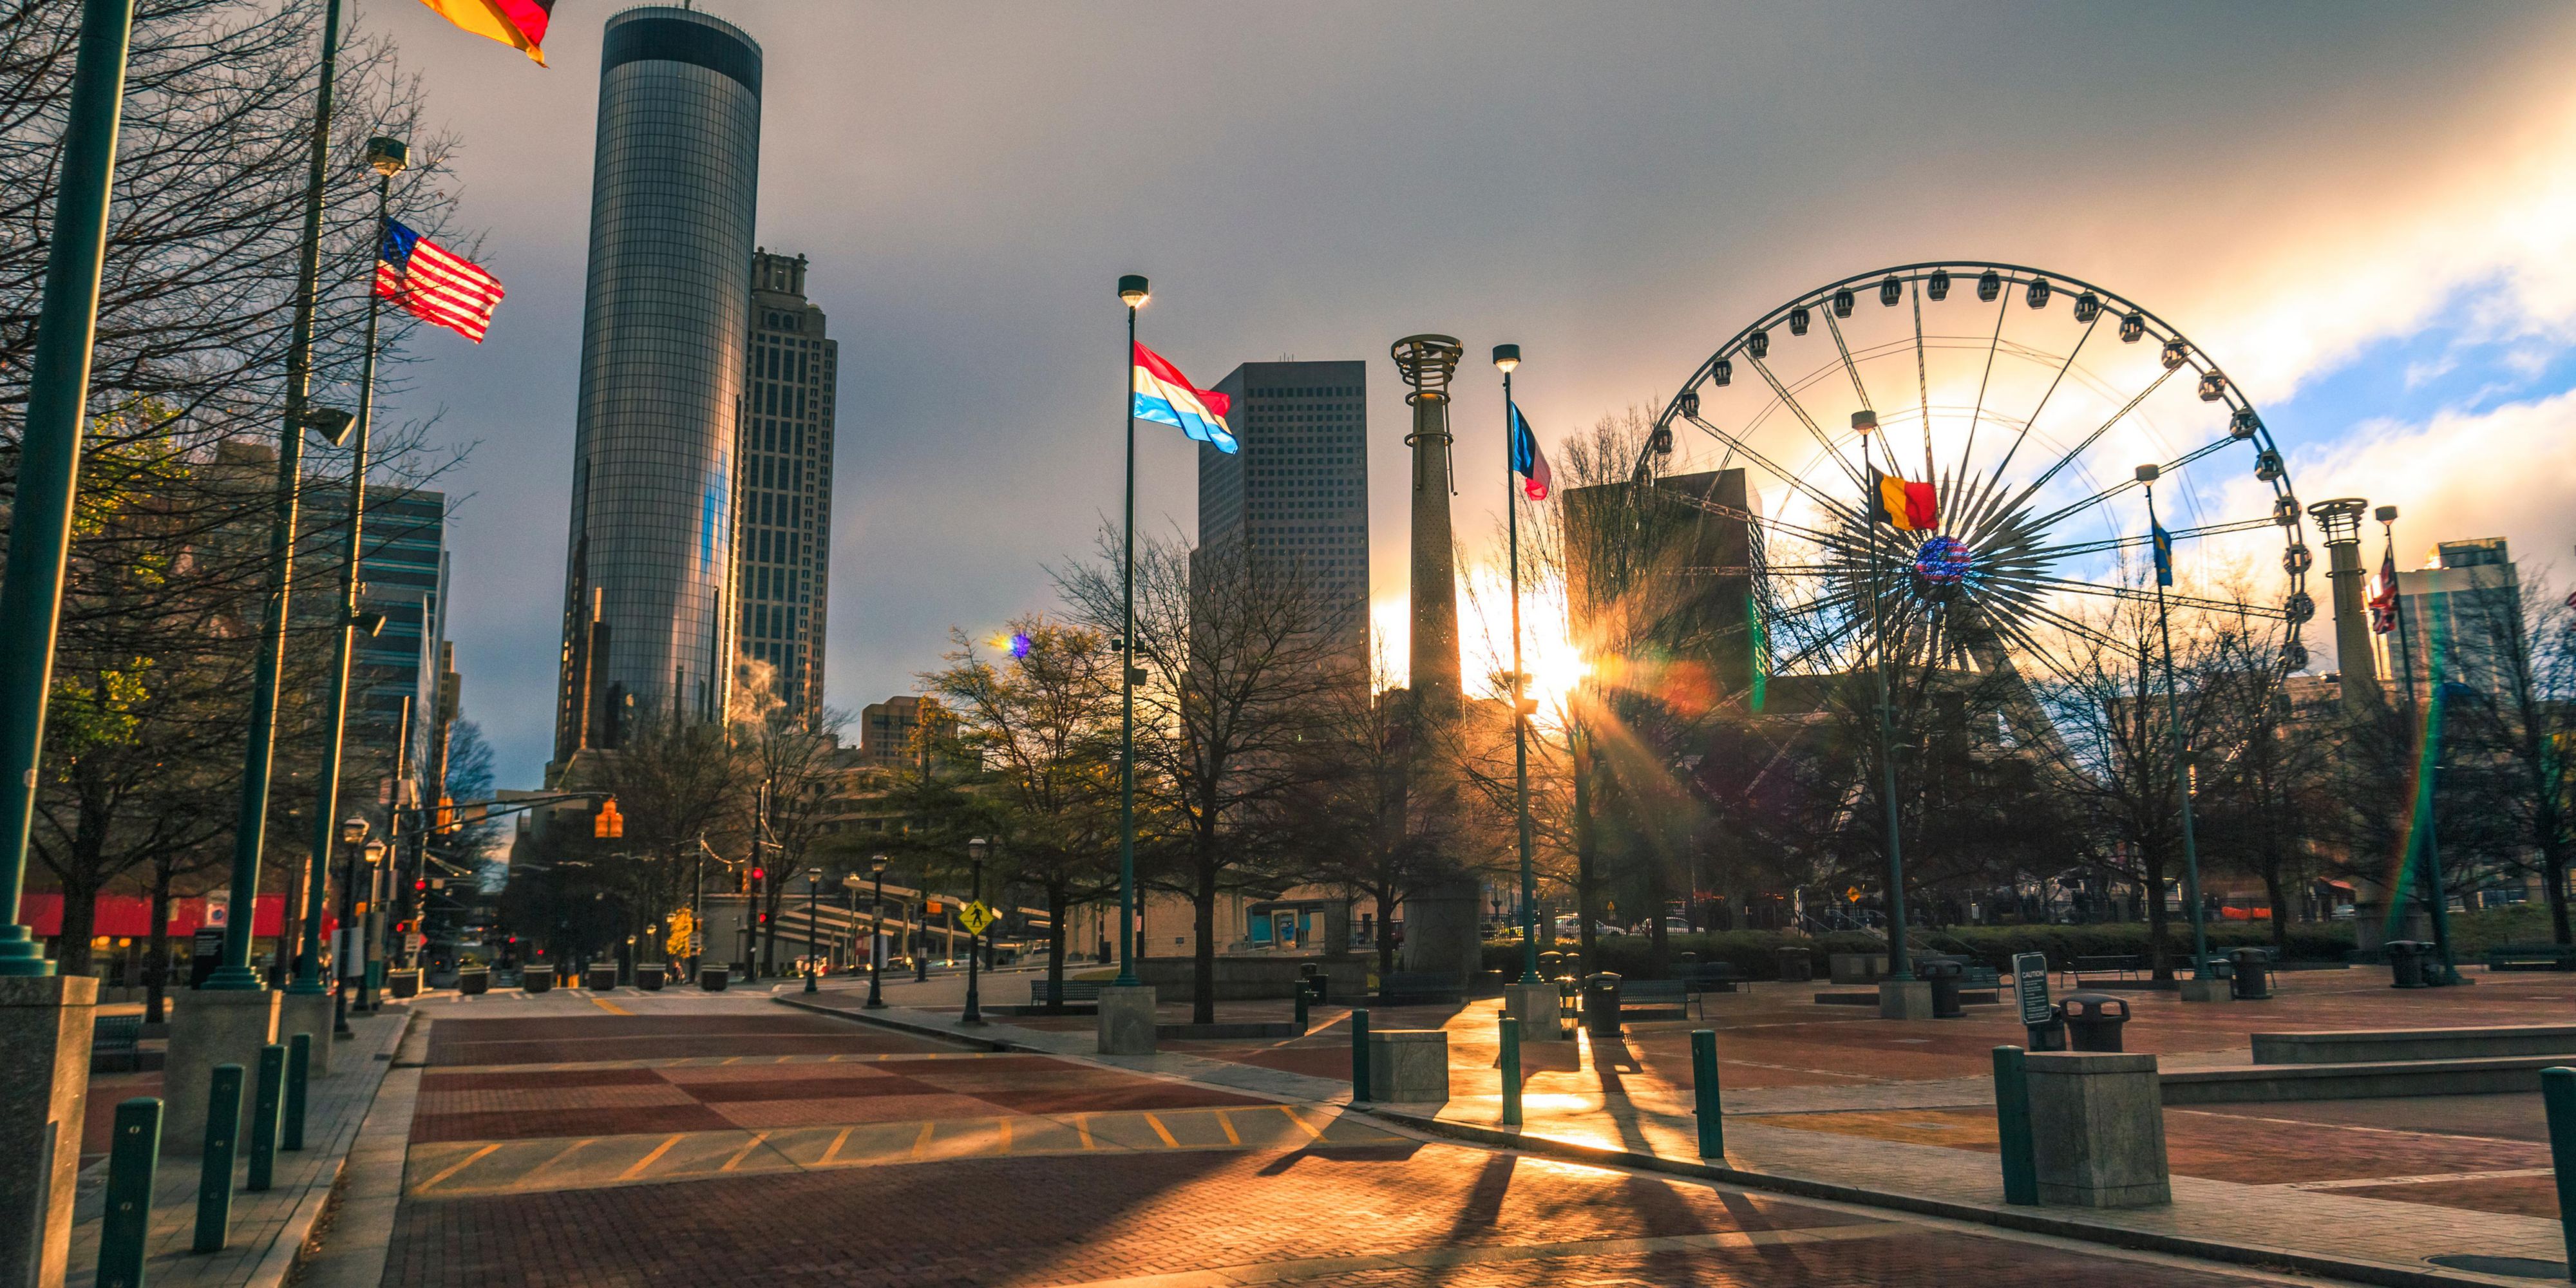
(2027, 401)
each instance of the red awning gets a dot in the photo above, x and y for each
(129, 916)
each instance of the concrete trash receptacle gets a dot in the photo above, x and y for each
(2405, 963)
(2093, 1021)
(1601, 1004)
(2252, 980)
(1945, 977)
(2097, 1127)
(1408, 1065)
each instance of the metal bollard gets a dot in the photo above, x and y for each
(1511, 1071)
(2012, 1127)
(299, 1071)
(266, 1099)
(1303, 998)
(1359, 1056)
(2558, 1095)
(133, 1156)
(215, 1173)
(1712, 1118)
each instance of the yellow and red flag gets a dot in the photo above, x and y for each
(1907, 507)
(520, 24)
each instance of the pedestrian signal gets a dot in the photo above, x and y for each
(609, 823)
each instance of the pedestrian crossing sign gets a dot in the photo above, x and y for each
(975, 917)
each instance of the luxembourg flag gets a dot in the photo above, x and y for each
(1164, 394)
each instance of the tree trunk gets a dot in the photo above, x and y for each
(80, 925)
(1058, 904)
(1203, 928)
(2279, 898)
(156, 967)
(2553, 864)
(1385, 931)
(2152, 876)
(1586, 909)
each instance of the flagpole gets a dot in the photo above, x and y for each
(1131, 289)
(2147, 474)
(1508, 357)
(1899, 967)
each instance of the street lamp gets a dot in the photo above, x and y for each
(975, 847)
(1133, 293)
(876, 935)
(1508, 358)
(813, 968)
(1865, 423)
(2161, 547)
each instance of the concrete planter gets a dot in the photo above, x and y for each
(714, 978)
(403, 983)
(472, 982)
(649, 978)
(600, 979)
(537, 981)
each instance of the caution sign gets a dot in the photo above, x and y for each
(975, 917)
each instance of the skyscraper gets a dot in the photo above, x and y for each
(785, 496)
(1298, 489)
(2462, 618)
(666, 326)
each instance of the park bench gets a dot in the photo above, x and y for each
(1406, 988)
(2531, 957)
(1637, 996)
(1075, 990)
(2124, 965)
(1716, 977)
(116, 1038)
(1973, 976)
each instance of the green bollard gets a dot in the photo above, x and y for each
(2012, 1127)
(133, 1155)
(1511, 1071)
(267, 1098)
(2558, 1095)
(1303, 998)
(299, 1071)
(215, 1173)
(1712, 1119)
(1359, 1057)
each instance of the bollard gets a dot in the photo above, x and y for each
(2012, 1127)
(264, 1105)
(215, 1174)
(2558, 1095)
(1303, 998)
(133, 1155)
(1359, 1056)
(299, 1071)
(1712, 1118)
(1511, 1071)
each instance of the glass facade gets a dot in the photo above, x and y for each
(785, 493)
(666, 326)
(1298, 489)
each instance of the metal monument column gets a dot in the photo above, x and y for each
(1442, 917)
(2200, 968)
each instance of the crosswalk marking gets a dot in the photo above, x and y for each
(468, 1161)
(648, 1160)
(744, 1152)
(837, 1141)
(1226, 1120)
(1162, 1131)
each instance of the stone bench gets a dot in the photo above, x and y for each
(2349, 1046)
(1408, 1065)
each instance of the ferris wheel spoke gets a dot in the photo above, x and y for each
(2143, 595)
(2051, 392)
(1844, 509)
(2087, 445)
(1994, 344)
(1922, 380)
(1799, 410)
(2178, 535)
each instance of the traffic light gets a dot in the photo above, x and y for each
(757, 874)
(608, 824)
(419, 884)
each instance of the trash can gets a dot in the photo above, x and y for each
(1313, 982)
(1945, 977)
(2253, 974)
(536, 981)
(1797, 965)
(2405, 963)
(1551, 964)
(2093, 1020)
(471, 982)
(649, 978)
(714, 978)
(1601, 1004)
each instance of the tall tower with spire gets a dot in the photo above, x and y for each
(1427, 362)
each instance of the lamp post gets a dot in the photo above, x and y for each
(1133, 292)
(1899, 968)
(921, 941)
(876, 935)
(2163, 550)
(975, 847)
(250, 832)
(1508, 357)
(813, 968)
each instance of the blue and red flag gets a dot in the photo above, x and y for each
(1527, 461)
(434, 286)
(1164, 395)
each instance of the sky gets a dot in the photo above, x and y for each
(2365, 212)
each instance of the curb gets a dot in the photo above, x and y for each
(908, 1026)
(2027, 1221)
(287, 1250)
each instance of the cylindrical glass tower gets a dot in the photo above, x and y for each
(665, 330)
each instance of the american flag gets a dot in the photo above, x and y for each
(434, 286)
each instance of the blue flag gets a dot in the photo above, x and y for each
(2163, 542)
(1527, 460)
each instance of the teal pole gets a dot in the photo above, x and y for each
(2182, 759)
(1508, 357)
(40, 524)
(2012, 1126)
(215, 1169)
(1359, 1057)
(133, 1156)
(2558, 1095)
(1132, 290)
(1704, 1091)
(267, 1100)
(1511, 1065)
(299, 1074)
(250, 833)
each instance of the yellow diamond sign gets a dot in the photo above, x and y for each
(975, 917)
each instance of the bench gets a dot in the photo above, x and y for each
(1980, 977)
(117, 1038)
(2125, 966)
(1075, 990)
(1403, 988)
(1660, 995)
(1716, 977)
(2531, 957)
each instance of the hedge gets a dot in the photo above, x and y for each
(1756, 951)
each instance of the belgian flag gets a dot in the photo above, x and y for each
(1906, 507)
(520, 24)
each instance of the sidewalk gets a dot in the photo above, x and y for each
(1630, 1118)
(268, 1229)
